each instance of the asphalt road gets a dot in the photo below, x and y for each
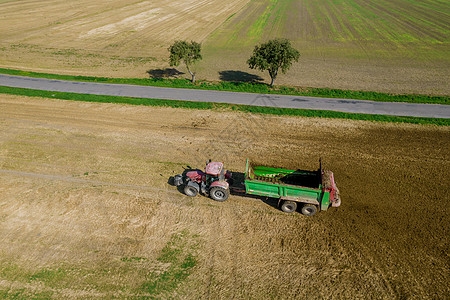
(333, 104)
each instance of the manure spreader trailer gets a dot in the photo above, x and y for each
(311, 191)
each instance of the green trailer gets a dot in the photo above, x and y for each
(313, 190)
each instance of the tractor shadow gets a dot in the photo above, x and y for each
(238, 189)
(164, 73)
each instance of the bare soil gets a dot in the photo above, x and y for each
(85, 195)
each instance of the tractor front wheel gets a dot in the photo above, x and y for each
(219, 194)
(289, 206)
(190, 191)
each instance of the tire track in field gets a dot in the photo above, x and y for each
(215, 233)
(84, 181)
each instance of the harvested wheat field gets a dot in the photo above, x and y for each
(118, 37)
(86, 210)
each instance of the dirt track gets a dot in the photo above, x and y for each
(389, 239)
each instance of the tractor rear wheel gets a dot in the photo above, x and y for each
(190, 191)
(219, 193)
(309, 210)
(289, 206)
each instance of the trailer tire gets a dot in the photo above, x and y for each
(309, 210)
(289, 206)
(190, 191)
(219, 193)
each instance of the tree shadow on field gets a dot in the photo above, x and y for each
(164, 73)
(239, 76)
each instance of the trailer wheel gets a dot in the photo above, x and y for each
(309, 210)
(289, 206)
(190, 191)
(219, 194)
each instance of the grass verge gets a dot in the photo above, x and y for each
(246, 87)
(224, 106)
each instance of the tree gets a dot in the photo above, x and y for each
(182, 51)
(272, 56)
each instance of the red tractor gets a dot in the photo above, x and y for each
(215, 181)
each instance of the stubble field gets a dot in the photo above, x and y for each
(86, 210)
(390, 46)
(110, 38)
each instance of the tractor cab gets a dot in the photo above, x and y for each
(214, 171)
(214, 168)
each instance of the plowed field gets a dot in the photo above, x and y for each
(86, 210)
